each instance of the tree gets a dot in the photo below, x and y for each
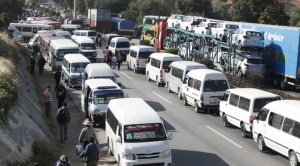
(7, 15)
(220, 11)
(274, 14)
(194, 7)
(295, 16)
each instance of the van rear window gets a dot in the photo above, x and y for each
(215, 85)
(259, 103)
(104, 96)
(166, 64)
(92, 34)
(123, 44)
(144, 132)
(144, 55)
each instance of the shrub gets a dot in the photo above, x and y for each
(145, 42)
(45, 153)
(209, 63)
(172, 51)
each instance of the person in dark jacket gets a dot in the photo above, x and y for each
(32, 63)
(41, 63)
(60, 94)
(63, 118)
(57, 77)
(91, 153)
(35, 50)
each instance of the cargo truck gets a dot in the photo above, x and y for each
(101, 19)
(123, 26)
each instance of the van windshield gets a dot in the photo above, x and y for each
(87, 46)
(109, 77)
(92, 34)
(144, 55)
(259, 103)
(166, 64)
(144, 132)
(104, 96)
(123, 45)
(215, 85)
(78, 67)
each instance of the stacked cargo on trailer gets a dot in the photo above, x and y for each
(123, 26)
(101, 19)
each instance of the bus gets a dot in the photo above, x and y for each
(149, 21)
(29, 30)
(57, 50)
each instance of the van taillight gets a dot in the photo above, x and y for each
(245, 37)
(161, 73)
(137, 62)
(251, 119)
(225, 30)
(201, 98)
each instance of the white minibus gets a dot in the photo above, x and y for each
(88, 33)
(29, 30)
(73, 66)
(70, 27)
(277, 126)
(238, 106)
(176, 73)
(87, 47)
(135, 134)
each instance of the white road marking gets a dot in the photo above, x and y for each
(229, 140)
(126, 75)
(162, 98)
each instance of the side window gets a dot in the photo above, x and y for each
(244, 103)
(296, 129)
(262, 116)
(34, 30)
(197, 84)
(287, 125)
(133, 54)
(112, 121)
(226, 96)
(27, 29)
(191, 82)
(233, 99)
(275, 120)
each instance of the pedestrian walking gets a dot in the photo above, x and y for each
(41, 63)
(60, 94)
(35, 50)
(63, 118)
(119, 60)
(113, 61)
(86, 133)
(109, 57)
(57, 77)
(63, 161)
(91, 153)
(99, 40)
(32, 63)
(48, 100)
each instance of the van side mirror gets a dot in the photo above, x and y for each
(90, 99)
(184, 80)
(170, 136)
(220, 98)
(118, 139)
(255, 118)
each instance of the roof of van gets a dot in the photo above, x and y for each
(70, 25)
(142, 47)
(111, 34)
(119, 38)
(84, 31)
(160, 55)
(76, 58)
(289, 108)
(201, 73)
(252, 92)
(98, 69)
(83, 39)
(133, 111)
(64, 43)
(63, 32)
(101, 83)
(188, 63)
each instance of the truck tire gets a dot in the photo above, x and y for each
(276, 81)
(283, 83)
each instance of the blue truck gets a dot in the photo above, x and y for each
(282, 46)
(123, 26)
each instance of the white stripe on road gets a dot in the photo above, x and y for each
(162, 98)
(229, 140)
(126, 75)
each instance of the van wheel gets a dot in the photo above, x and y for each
(128, 66)
(157, 82)
(109, 147)
(239, 73)
(225, 121)
(261, 144)
(134, 69)
(168, 86)
(196, 107)
(243, 130)
(149, 79)
(179, 94)
(119, 161)
(293, 159)
(184, 99)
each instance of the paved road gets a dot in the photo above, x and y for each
(199, 139)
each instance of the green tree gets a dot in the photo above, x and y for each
(8, 15)
(274, 14)
(220, 11)
(194, 7)
(80, 7)
(295, 16)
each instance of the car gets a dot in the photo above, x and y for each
(222, 29)
(205, 28)
(174, 20)
(249, 63)
(246, 38)
(106, 40)
(190, 22)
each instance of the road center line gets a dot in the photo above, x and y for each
(126, 75)
(162, 98)
(229, 140)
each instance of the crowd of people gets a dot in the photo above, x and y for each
(112, 59)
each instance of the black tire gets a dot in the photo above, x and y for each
(239, 73)
(168, 87)
(196, 107)
(119, 161)
(179, 94)
(276, 82)
(134, 69)
(110, 152)
(149, 79)
(261, 144)
(243, 130)
(283, 84)
(184, 100)
(128, 66)
(293, 159)
(225, 121)
(157, 82)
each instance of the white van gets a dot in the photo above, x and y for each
(157, 64)
(15, 33)
(87, 47)
(29, 30)
(65, 34)
(135, 134)
(238, 107)
(120, 44)
(73, 66)
(138, 56)
(98, 70)
(176, 73)
(203, 87)
(277, 127)
(70, 27)
(95, 96)
(88, 33)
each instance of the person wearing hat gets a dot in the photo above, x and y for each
(63, 161)
(86, 133)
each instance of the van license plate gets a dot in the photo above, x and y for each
(214, 101)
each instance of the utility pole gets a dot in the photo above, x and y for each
(90, 14)
(74, 9)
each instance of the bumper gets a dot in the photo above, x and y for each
(152, 162)
(141, 69)
(210, 107)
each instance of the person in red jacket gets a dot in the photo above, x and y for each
(48, 100)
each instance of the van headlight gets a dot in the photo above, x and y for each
(166, 154)
(128, 156)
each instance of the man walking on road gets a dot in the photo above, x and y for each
(60, 94)
(91, 153)
(41, 63)
(57, 77)
(48, 100)
(32, 63)
(63, 118)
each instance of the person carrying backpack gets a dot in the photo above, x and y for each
(60, 94)
(63, 118)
